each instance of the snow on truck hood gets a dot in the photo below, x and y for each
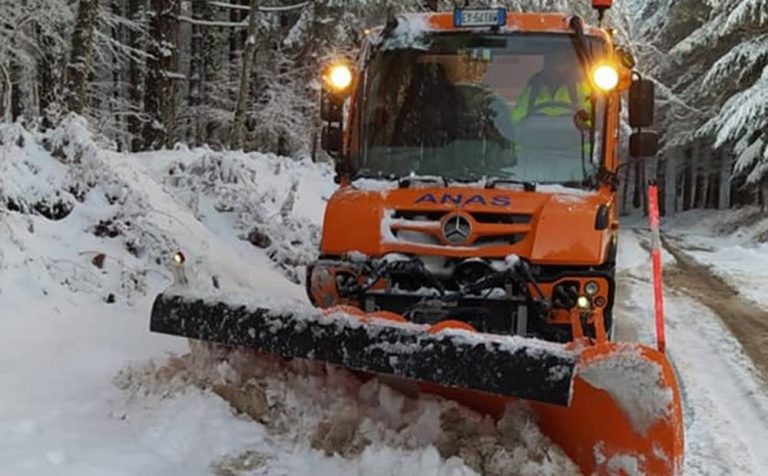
(375, 208)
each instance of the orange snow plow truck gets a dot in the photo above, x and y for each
(471, 244)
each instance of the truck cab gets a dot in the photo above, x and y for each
(472, 142)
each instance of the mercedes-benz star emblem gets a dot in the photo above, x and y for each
(457, 229)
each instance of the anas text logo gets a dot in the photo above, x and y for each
(462, 200)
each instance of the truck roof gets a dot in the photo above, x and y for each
(523, 22)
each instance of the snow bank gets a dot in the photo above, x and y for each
(275, 203)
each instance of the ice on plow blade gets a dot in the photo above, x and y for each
(614, 408)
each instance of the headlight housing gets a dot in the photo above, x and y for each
(591, 288)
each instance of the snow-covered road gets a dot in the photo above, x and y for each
(725, 401)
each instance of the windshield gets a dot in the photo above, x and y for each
(467, 107)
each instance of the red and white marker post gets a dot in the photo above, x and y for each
(658, 293)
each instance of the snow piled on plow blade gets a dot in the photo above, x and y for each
(626, 413)
(635, 384)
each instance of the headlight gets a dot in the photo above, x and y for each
(339, 77)
(582, 302)
(605, 77)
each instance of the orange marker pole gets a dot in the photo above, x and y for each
(658, 293)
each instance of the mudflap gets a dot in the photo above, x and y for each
(510, 366)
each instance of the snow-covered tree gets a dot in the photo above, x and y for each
(738, 82)
(31, 34)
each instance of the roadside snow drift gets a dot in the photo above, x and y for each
(85, 237)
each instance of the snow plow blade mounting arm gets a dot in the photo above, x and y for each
(515, 367)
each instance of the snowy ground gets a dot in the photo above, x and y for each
(734, 243)
(84, 239)
(725, 400)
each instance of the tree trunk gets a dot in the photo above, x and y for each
(238, 133)
(7, 88)
(17, 103)
(195, 71)
(637, 196)
(199, 71)
(160, 81)
(135, 90)
(48, 78)
(117, 80)
(687, 180)
(626, 190)
(694, 173)
(725, 180)
(213, 45)
(670, 183)
(80, 59)
(705, 170)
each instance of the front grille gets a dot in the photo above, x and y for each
(511, 239)
(419, 227)
(480, 217)
(419, 215)
(501, 218)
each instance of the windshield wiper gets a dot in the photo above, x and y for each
(528, 185)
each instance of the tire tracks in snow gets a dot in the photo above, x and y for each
(724, 399)
(746, 320)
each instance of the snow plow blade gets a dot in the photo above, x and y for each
(514, 367)
(614, 408)
(626, 414)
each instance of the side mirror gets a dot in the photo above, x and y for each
(643, 144)
(642, 97)
(332, 140)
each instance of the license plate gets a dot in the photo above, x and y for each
(480, 17)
